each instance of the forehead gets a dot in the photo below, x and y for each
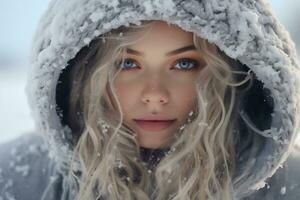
(165, 36)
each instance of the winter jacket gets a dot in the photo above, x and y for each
(34, 166)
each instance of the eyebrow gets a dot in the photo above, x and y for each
(176, 51)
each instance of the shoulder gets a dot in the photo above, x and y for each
(285, 183)
(24, 168)
(22, 150)
(292, 173)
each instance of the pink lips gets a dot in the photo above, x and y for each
(154, 125)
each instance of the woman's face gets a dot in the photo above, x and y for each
(157, 81)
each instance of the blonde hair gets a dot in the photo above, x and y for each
(198, 165)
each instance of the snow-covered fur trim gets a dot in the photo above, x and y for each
(245, 30)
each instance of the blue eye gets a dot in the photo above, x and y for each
(186, 64)
(128, 64)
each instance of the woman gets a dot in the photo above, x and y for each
(158, 100)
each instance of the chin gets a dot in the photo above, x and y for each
(149, 146)
(153, 146)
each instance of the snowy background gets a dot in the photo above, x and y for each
(19, 18)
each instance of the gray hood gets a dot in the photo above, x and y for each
(245, 30)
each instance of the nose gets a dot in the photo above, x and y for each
(151, 99)
(155, 94)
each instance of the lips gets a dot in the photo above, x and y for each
(154, 125)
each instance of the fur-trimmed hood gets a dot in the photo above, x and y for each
(245, 30)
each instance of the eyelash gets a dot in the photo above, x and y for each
(196, 63)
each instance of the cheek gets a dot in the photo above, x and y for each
(126, 95)
(186, 99)
(185, 94)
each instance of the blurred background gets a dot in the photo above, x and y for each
(19, 18)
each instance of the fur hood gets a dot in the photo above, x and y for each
(246, 30)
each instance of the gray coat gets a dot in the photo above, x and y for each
(245, 30)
